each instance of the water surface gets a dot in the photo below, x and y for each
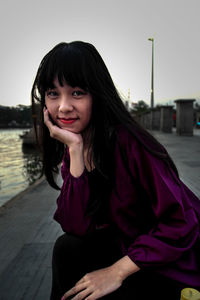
(19, 166)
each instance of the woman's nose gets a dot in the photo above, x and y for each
(65, 104)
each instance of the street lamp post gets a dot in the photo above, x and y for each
(152, 74)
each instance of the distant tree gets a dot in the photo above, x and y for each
(140, 107)
(24, 113)
(158, 105)
(19, 116)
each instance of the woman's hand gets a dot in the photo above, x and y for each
(95, 285)
(74, 141)
(99, 283)
(65, 136)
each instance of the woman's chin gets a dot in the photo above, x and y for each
(70, 129)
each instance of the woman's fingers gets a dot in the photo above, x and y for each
(54, 133)
(76, 289)
(82, 295)
(47, 121)
(95, 285)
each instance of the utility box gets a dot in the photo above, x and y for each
(184, 116)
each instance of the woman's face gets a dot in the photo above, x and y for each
(70, 108)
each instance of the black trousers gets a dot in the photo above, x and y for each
(73, 257)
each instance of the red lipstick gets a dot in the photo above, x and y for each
(67, 121)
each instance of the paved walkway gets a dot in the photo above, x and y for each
(185, 152)
(27, 230)
(27, 234)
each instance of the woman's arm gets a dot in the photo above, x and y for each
(176, 227)
(74, 195)
(72, 203)
(124, 267)
(77, 165)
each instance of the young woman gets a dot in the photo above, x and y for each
(131, 225)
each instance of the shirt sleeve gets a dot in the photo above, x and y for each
(72, 201)
(177, 227)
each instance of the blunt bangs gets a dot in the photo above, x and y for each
(68, 64)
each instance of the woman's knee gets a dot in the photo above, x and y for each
(67, 245)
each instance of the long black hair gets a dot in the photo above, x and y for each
(79, 64)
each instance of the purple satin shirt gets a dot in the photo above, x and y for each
(154, 212)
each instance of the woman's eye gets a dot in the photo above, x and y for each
(78, 93)
(52, 94)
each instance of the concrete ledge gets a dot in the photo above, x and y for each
(19, 195)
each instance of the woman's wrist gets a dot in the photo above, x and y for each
(76, 148)
(124, 267)
(76, 159)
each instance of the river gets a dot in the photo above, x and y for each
(19, 166)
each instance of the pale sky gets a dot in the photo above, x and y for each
(119, 29)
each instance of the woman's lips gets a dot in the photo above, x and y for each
(67, 121)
